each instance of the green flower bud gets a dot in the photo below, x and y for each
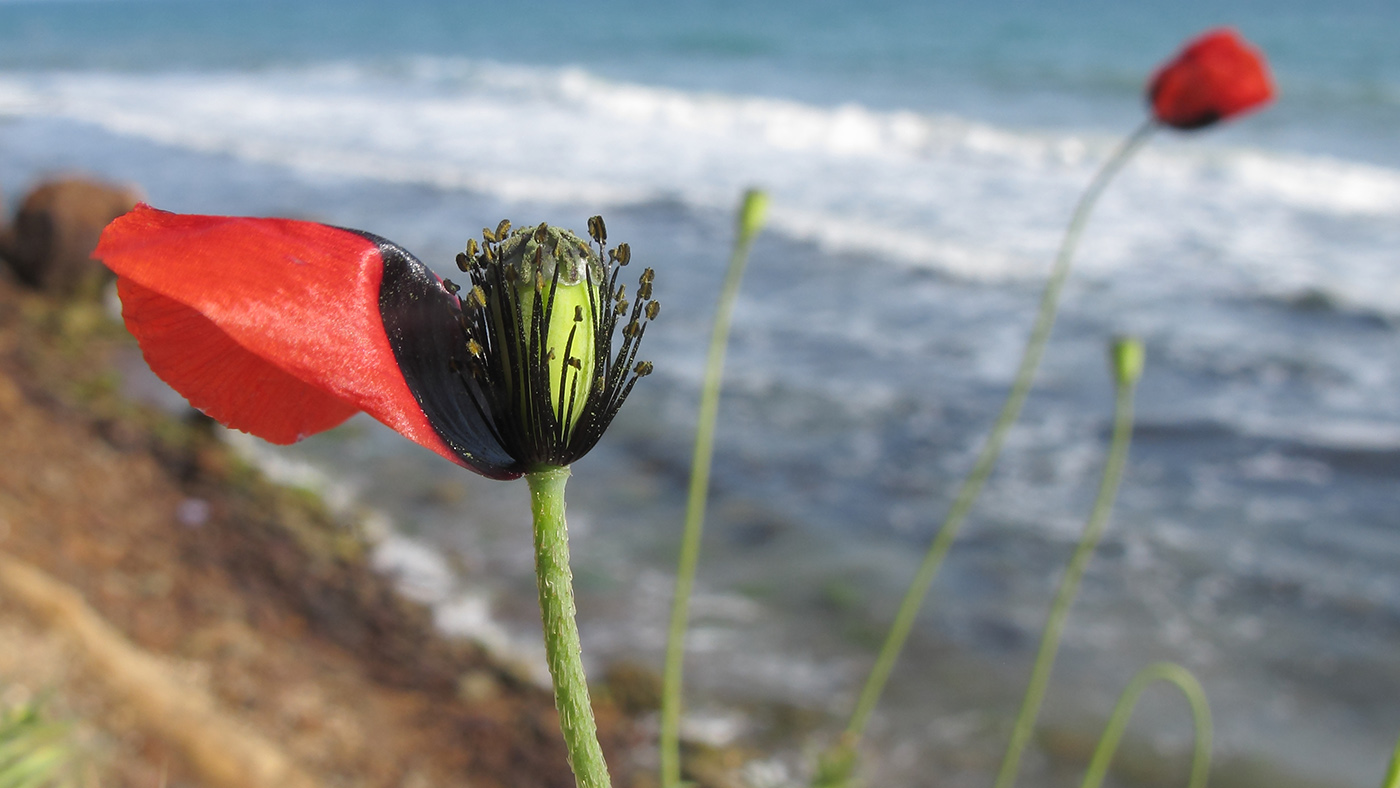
(1127, 357)
(752, 214)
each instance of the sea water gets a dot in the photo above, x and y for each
(923, 159)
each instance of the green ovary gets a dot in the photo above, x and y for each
(570, 302)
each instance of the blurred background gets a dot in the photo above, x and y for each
(923, 159)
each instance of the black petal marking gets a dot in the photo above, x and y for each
(421, 320)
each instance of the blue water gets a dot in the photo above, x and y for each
(922, 159)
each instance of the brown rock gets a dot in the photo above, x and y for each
(49, 246)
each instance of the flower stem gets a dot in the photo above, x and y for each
(972, 485)
(1069, 584)
(751, 215)
(561, 643)
(1118, 721)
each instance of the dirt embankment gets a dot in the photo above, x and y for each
(248, 608)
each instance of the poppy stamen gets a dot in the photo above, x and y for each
(524, 284)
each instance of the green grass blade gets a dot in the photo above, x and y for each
(1392, 774)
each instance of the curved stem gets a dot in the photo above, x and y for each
(750, 219)
(972, 486)
(561, 643)
(1118, 721)
(1069, 585)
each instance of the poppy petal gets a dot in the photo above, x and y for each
(1217, 75)
(217, 375)
(303, 298)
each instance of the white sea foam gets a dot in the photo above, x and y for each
(963, 197)
(968, 199)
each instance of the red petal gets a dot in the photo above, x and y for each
(1216, 76)
(220, 377)
(270, 325)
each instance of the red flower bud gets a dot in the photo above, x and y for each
(1217, 76)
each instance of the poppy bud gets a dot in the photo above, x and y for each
(752, 214)
(1127, 357)
(1217, 76)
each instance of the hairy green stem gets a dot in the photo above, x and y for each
(1069, 584)
(750, 221)
(561, 643)
(1123, 710)
(972, 486)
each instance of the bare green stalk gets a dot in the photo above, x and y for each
(1127, 362)
(986, 460)
(752, 213)
(561, 642)
(1123, 711)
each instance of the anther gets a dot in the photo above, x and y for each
(575, 363)
(450, 286)
(477, 297)
(653, 309)
(488, 235)
(642, 369)
(541, 233)
(502, 229)
(621, 307)
(624, 254)
(578, 313)
(644, 291)
(474, 348)
(597, 230)
(464, 263)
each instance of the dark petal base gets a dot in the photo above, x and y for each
(421, 320)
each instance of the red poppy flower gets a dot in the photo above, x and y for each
(284, 328)
(1218, 75)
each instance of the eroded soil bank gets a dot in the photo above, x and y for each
(250, 598)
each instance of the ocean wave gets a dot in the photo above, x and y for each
(1337, 437)
(952, 194)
